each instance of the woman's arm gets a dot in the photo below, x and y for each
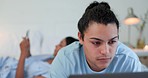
(38, 77)
(25, 52)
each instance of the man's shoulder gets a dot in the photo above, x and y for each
(125, 60)
(125, 51)
(71, 49)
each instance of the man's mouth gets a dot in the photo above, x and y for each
(104, 59)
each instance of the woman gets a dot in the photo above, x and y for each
(37, 69)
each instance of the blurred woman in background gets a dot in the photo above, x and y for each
(37, 69)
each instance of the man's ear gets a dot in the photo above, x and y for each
(80, 38)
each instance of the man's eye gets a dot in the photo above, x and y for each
(96, 43)
(112, 42)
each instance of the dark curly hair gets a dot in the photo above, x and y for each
(70, 40)
(99, 13)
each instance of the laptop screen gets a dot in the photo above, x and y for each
(113, 75)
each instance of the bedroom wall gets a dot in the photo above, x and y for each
(53, 20)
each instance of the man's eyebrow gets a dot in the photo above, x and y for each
(115, 37)
(102, 40)
(96, 39)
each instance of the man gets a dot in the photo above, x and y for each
(98, 49)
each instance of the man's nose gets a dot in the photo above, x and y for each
(104, 49)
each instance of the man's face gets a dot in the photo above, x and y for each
(99, 43)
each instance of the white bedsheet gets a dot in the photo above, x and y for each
(8, 66)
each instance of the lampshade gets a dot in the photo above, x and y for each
(131, 18)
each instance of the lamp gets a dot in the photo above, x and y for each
(131, 19)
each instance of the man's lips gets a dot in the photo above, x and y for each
(104, 59)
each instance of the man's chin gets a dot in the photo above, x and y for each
(104, 66)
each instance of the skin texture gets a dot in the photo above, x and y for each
(99, 43)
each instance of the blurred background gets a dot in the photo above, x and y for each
(49, 21)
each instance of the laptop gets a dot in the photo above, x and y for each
(113, 75)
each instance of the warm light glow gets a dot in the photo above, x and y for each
(131, 18)
(131, 21)
(146, 47)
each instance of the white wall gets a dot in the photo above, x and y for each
(55, 19)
